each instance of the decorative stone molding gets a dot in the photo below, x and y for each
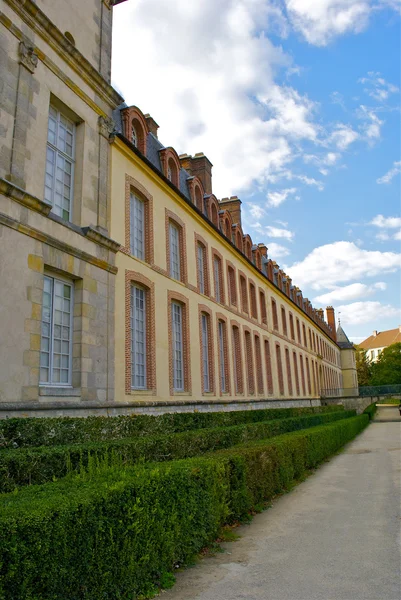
(27, 56)
(97, 236)
(106, 126)
(19, 195)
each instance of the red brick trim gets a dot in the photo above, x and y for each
(279, 369)
(232, 283)
(295, 361)
(173, 296)
(219, 256)
(274, 314)
(243, 288)
(252, 300)
(170, 216)
(237, 236)
(258, 362)
(213, 209)
(132, 277)
(263, 308)
(133, 186)
(203, 309)
(237, 356)
(134, 116)
(200, 240)
(257, 258)
(223, 318)
(247, 245)
(169, 158)
(284, 320)
(249, 360)
(269, 370)
(226, 223)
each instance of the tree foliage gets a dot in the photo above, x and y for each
(363, 367)
(387, 369)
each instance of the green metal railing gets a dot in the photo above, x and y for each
(362, 392)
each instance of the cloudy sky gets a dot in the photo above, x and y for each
(297, 105)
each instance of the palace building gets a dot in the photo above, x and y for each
(125, 282)
(202, 312)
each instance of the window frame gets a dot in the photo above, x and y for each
(223, 354)
(136, 200)
(58, 152)
(175, 270)
(207, 351)
(50, 383)
(134, 386)
(176, 387)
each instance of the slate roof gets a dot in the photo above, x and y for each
(382, 339)
(342, 339)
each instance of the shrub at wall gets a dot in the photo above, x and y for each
(114, 534)
(371, 410)
(18, 433)
(29, 466)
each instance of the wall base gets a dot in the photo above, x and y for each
(114, 409)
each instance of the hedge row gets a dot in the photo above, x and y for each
(29, 466)
(370, 410)
(18, 433)
(118, 534)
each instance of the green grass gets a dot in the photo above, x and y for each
(389, 401)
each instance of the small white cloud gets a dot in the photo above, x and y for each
(327, 266)
(343, 136)
(387, 177)
(276, 232)
(371, 128)
(382, 236)
(377, 87)
(277, 250)
(386, 222)
(256, 211)
(350, 292)
(358, 313)
(278, 197)
(397, 236)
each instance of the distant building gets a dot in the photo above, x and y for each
(348, 362)
(378, 341)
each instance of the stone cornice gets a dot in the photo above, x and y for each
(39, 22)
(22, 197)
(99, 238)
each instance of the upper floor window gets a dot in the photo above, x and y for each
(298, 332)
(218, 279)
(232, 286)
(175, 261)
(244, 293)
(223, 363)
(254, 308)
(275, 317)
(137, 226)
(134, 135)
(284, 320)
(263, 307)
(292, 331)
(200, 250)
(178, 346)
(56, 334)
(206, 358)
(60, 156)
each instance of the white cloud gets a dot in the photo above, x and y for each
(358, 313)
(209, 81)
(397, 236)
(276, 232)
(386, 222)
(320, 21)
(371, 128)
(278, 197)
(387, 177)
(343, 136)
(331, 264)
(277, 250)
(350, 292)
(256, 211)
(377, 87)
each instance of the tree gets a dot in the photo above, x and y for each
(387, 369)
(363, 367)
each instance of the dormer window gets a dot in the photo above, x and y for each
(169, 173)
(134, 135)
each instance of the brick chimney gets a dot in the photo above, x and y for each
(198, 166)
(152, 125)
(233, 205)
(263, 250)
(331, 321)
(320, 312)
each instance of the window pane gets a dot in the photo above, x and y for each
(201, 269)
(175, 267)
(137, 227)
(222, 357)
(205, 353)
(178, 364)
(217, 279)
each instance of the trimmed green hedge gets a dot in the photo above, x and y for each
(116, 534)
(19, 433)
(370, 410)
(29, 466)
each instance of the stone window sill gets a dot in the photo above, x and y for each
(62, 392)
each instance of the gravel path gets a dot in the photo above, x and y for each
(336, 536)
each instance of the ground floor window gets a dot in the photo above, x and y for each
(56, 339)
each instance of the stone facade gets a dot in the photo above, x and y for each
(56, 55)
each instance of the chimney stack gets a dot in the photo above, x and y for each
(320, 312)
(152, 125)
(263, 250)
(233, 205)
(375, 333)
(331, 321)
(198, 166)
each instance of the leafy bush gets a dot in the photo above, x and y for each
(29, 466)
(117, 533)
(370, 410)
(18, 433)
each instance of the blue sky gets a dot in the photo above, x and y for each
(297, 105)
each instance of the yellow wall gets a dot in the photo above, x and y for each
(124, 161)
